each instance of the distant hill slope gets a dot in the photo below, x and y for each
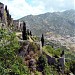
(62, 23)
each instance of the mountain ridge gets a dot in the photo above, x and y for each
(62, 23)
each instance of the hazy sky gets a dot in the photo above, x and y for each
(21, 8)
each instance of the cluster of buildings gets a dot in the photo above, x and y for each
(18, 25)
(67, 41)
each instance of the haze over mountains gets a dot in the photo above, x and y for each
(62, 23)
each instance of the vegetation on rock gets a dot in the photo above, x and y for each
(10, 62)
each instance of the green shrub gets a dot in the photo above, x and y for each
(10, 62)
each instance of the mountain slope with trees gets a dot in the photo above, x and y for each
(62, 23)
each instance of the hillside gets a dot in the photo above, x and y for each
(22, 53)
(62, 23)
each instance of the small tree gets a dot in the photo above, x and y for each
(8, 15)
(6, 8)
(42, 40)
(24, 33)
(1, 15)
(62, 54)
(30, 33)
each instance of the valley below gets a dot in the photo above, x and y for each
(67, 41)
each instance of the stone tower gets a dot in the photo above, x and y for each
(3, 17)
(1, 12)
